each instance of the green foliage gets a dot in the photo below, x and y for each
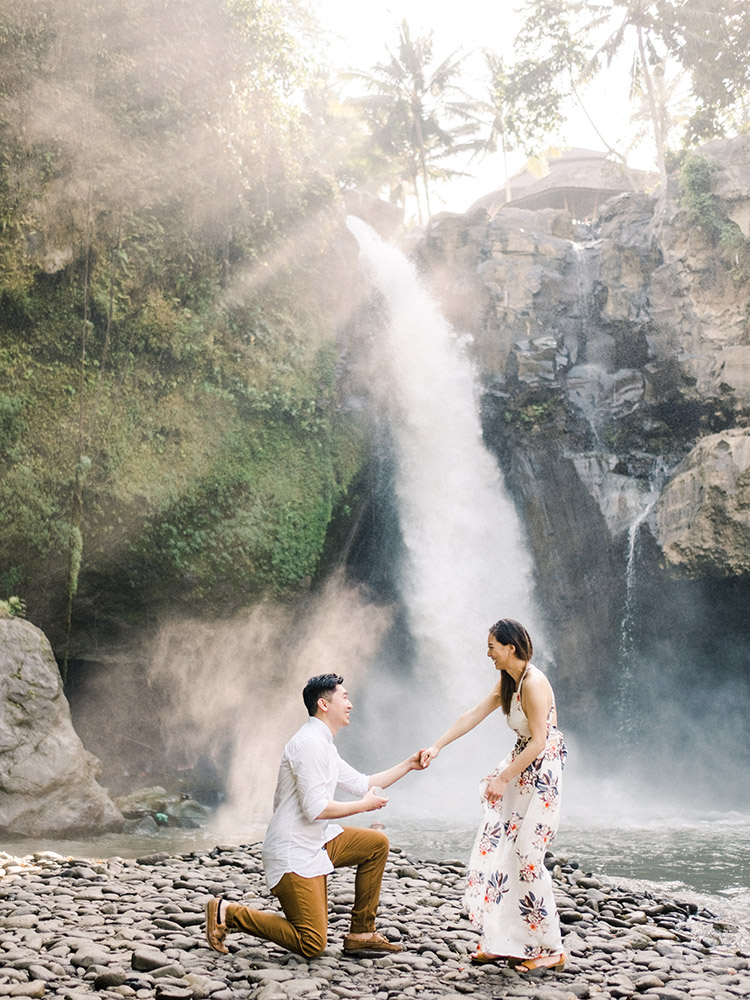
(535, 415)
(698, 200)
(417, 115)
(704, 209)
(714, 37)
(698, 47)
(169, 426)
(526, 97)
(11, 422)
(12, 608)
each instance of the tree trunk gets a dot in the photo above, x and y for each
(659, 137)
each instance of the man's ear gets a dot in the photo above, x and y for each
(322, 705)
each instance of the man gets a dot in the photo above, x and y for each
(304, 843)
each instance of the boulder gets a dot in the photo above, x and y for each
(164, 808)
(703, 514)
(48, 778)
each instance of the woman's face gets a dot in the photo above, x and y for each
(498, 653)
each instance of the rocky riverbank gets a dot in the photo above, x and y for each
(73, 927)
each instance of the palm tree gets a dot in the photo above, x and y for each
(418, 116)
(643, 19)
(705, 39)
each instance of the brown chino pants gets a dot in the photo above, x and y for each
(304, 926)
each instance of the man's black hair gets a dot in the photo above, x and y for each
(319, 687)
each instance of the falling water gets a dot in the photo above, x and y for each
(464, 563)
(587, 380)
(627, 706)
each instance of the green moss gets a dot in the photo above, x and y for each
(166, 314)
(704, 209)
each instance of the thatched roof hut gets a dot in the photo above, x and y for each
(578, 180)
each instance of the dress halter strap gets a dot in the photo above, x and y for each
(522, 678)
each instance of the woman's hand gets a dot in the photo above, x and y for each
(495, 788)
(427, 756)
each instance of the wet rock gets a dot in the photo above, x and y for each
(702, 517)
(48, 778)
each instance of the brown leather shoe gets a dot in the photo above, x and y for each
(215, 931)
(373, 944)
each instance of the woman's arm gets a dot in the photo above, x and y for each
(463, 725)
(537, 700)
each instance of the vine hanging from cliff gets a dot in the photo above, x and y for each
(705, 209)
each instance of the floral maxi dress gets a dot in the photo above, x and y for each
(509, 894)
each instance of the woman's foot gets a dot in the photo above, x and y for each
(541, 964)
(483, 957)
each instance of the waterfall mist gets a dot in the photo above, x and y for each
(462, 563)
(237, 686)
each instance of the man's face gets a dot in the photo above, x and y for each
(336, 713)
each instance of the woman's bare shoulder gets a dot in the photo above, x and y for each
(536, 683)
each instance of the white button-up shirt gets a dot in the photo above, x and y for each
(309, 773)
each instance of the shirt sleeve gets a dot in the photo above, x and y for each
(350, 779)
(313, 783)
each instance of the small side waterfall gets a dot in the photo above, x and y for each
(464, 563)
(627, 707)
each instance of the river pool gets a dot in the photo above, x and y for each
(706, 861)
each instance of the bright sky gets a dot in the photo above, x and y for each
(365, 28)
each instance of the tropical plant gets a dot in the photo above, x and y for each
(701, 42)
(12, 608)
(716, 53)
(524, 101)
(418, 116)
(704, 209)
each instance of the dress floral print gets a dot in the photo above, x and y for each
(509, 894)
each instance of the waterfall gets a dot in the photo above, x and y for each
(628, 713)
(587, 380)
(464, 563)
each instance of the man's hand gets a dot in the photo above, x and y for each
(427, 756)
(374, 799)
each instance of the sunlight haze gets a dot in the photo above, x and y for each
(360, 35)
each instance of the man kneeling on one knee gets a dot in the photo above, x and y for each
(304, 843)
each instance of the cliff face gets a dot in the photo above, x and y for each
(615, 357)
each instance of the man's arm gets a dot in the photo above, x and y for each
(371, 800)
(386, 778)
(338, 810)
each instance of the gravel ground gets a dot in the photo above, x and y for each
(73, 927)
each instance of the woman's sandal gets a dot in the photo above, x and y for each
(486, 958)
(545, 963)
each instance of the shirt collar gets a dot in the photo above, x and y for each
(318, 722)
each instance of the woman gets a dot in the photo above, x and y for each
(509, 891)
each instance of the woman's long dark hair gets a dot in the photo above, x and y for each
(508, 631)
